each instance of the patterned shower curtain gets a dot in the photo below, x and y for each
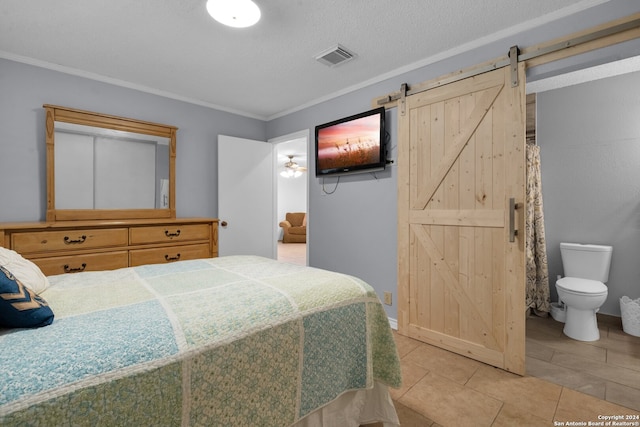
(537, 269)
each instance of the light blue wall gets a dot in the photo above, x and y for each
(354, 230)
(589, 138)
(351, 231)
(25, 88)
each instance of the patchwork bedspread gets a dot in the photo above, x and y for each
(229, 341)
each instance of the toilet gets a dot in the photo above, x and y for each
(583, 289)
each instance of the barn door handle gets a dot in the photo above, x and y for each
(512, 219)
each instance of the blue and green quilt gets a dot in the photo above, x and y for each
(231, 341)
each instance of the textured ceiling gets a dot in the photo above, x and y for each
(173, 48)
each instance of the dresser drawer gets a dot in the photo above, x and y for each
(77, 263)
(47, 241)
(168, 254)
(169, 233)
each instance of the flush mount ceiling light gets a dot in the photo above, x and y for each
(234, 13)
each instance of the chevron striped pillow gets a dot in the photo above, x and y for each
(20, 307)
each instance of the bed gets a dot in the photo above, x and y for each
(230, 341)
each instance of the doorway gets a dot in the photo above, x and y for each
(608, 368)
(291, 195)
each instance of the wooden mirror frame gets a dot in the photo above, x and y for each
(56, 113)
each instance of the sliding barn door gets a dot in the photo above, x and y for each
(461, 278)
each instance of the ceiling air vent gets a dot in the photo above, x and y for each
(335, 56)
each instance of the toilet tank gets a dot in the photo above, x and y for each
(586, 261)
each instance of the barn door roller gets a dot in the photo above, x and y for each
(514, 51)
(403, 98)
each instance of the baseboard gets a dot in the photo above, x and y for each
(393, 323)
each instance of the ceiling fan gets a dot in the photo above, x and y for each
(292, 169)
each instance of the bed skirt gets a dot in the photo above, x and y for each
(355, 408)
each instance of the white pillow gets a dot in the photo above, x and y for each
(24, 270)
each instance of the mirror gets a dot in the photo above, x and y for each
(108, 167)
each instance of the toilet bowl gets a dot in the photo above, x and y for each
(583, 298)
(583, 290)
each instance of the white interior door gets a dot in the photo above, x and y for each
(246, 209)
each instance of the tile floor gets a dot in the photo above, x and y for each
(295, 253)
(567, 381)
(608, 369)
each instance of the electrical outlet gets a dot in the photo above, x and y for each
(388, 298)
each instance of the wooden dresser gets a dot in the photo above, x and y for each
(73, 246)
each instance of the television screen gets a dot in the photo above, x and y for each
(352, 144)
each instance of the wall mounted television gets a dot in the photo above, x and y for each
(354, 144)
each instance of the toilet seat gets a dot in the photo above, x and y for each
(579, 286)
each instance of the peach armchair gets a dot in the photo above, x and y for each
(294, 227)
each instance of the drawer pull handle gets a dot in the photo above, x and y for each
(68, 269)
(170, 235)
(68, 241)
(172, 258)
